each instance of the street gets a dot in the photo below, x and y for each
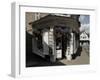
(34, 60)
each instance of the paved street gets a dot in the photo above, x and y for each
(83, 59)
(35, 60)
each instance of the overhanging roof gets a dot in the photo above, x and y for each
(53, 20)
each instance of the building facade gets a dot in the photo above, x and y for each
(56, 36)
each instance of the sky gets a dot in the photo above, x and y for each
(85, 23)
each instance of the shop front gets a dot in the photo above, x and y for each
(56, 37)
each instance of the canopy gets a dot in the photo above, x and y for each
(54, 20)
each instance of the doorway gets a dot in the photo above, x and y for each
(62, 40)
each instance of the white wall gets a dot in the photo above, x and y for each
(5, 39)
(45, 43)
(84, 36)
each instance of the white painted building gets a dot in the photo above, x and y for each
(84, 38)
